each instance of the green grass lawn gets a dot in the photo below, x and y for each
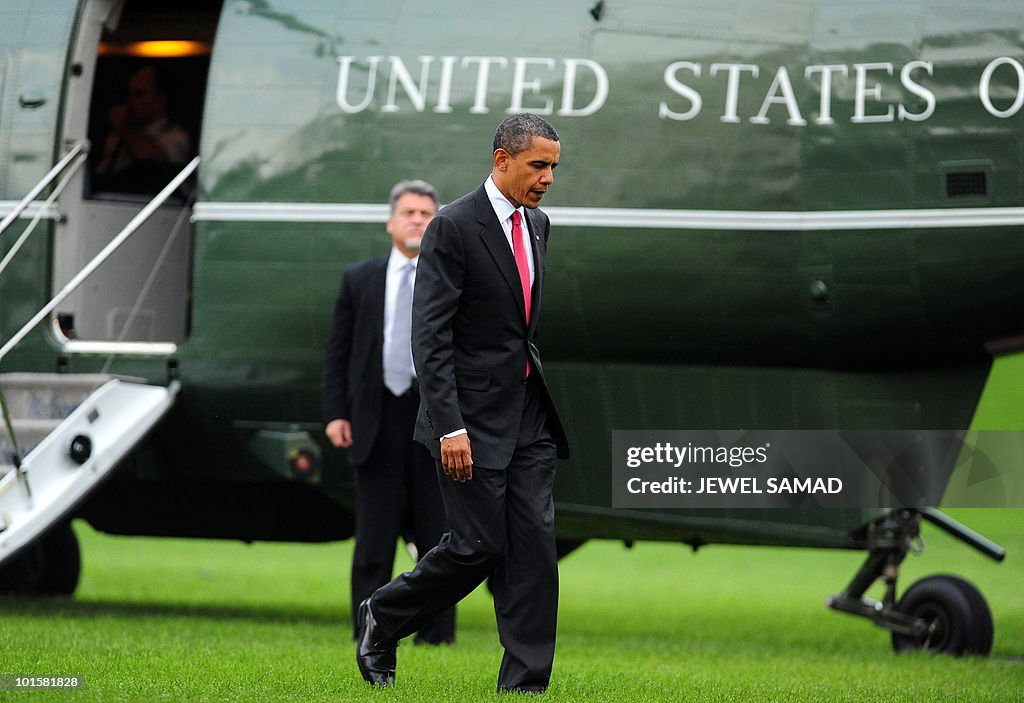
(163, 619)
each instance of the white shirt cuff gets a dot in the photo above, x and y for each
(456, 433)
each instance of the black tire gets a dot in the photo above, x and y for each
(21, 576)
(959, 618)
(63, 562)
(50, 566)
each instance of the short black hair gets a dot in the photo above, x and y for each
(516, 132)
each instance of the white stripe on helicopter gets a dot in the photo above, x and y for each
(636, 218)
(628, 218)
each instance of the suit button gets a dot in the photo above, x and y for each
(525, 380)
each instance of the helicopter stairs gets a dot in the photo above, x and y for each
(72, 430)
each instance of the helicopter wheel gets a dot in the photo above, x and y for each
(959, 620)
(50, 566)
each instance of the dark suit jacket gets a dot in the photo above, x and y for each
(469, 334)
(354, 360)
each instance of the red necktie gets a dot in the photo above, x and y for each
(519, 251)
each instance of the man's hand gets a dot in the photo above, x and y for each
(339, 432)
(456, 457)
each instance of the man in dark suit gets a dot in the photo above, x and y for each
(370, 403)
(487, 417)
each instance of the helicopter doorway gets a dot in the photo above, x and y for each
(136, 91)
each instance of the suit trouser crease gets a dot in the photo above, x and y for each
(500, 522)
(397, 480)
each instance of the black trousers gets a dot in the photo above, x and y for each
(397, 487)
(501, 522)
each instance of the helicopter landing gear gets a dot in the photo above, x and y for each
(956, 616)
(50, 566)
(942, 614)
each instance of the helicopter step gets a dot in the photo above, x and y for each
(69, 432)
(30, 432)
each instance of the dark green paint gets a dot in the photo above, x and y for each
(645, 328)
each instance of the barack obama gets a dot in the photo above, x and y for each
(487, 417)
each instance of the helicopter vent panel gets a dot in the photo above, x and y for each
(966, 183)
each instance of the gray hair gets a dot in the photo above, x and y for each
(417, 187)
(516, 132)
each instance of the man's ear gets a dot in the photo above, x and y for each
(501, 159)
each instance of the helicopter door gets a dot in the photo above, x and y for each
(136, 92)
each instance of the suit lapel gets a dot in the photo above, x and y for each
(375, 290)
(538, 267)
(494, 239)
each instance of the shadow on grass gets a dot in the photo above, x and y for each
(68, 607)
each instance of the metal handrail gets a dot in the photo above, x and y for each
(77, 148)
(77, 154)
(15, 447)
(104, 254)
(57, 190)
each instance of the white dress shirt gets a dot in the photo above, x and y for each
(503, 210)
(395, 263)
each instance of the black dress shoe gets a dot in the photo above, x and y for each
(375, 654)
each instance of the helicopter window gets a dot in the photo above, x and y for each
(147, 98)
